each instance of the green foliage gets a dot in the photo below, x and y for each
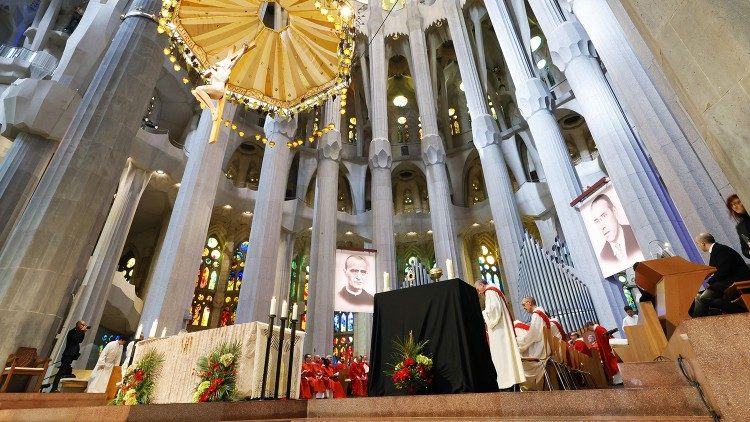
(218, 374)
(412, 370)
(138, 383)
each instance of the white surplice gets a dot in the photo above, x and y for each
(108, 359)
(503, 349)
(532, 345)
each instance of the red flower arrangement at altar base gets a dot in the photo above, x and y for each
(412, 370)
(138, 383)
(218, 374)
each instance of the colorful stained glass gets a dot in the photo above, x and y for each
(489, 267)
(234, 282)
(206, 283)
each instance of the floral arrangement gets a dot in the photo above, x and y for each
(218, 374)
(412, 370)
(138, 382)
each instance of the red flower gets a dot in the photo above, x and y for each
(409, 361)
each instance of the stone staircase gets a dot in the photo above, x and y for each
(654, 391)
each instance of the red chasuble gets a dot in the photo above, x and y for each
(605, 350)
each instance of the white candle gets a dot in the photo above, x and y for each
(284, 309)
(152, 332)
(449, 269)
(273, 306)
(294, 311)
(386, 282)
(164, 332)
(139, 331)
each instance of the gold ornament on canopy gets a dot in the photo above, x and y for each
(284, 70)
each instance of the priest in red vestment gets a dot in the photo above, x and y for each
(305, 381)
(358, 378)
(577, 343)
(609, 360)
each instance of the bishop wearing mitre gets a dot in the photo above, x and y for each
(503, 349)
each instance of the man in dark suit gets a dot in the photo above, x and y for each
(353, 296)
(730, 268)
(620, 245)
(70, 353)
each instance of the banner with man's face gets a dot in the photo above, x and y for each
(355, 281)
(610, 232)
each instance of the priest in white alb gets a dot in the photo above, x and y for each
(505, 355)
(108, 359)
(532, 346)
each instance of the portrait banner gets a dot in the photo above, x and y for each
(355, 281)
(610, 232)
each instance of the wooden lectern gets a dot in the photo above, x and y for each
(674, 282)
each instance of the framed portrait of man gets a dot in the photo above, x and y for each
(355, 280)
(610, 232)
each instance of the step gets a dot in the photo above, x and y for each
(652, 374)
(50, 400)
(530, 419)
(625, 402)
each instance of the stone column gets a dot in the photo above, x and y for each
(103, 263)
(260, 263)
(579, 139)
(45, 25)
(508, 227)
(176, 270)
(535, 103)
(284, 267)
(443, 221)
(691, 176)
(320, 298)
(646, 204)
(476, 14)
(380, 156)
(57, 232)
(37, 112)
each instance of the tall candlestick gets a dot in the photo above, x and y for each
(386, 282)
(164, 332)
(449, 269)
(294, 311)
(273, 306)
(284, 309)
(152, 332)
(139, 331)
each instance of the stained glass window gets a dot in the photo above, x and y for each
(488, 266)
(343, 334)
(205, 284)
(303, 317)
(234, 282)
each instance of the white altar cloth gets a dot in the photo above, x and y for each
(178, 380)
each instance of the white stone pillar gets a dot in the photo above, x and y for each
(284, 267)
(319, 339)
(476, 13)
(260, 263)
(174, 276)
(57, 232)
(535, 103)
(573, 53)
(98, 280)
(443, 221)
(690, 176)
(45, 25)
(380, 156)
(508, 227)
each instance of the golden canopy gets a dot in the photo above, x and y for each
(288, 69)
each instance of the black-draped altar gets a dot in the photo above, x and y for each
(446, 313)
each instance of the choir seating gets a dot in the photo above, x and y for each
(741, 292)
(24, 362)
(646, 340)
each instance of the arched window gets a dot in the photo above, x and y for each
(234, 282)
(127, 265)
(305, 294)
(488, 266)
(205, 284)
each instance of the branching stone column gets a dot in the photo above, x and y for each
(535, 103)
(260, 263)
(98, 280)
(36, 113)
(57, 232)
(636, 184)
(486, 136)
(691, 177)
(381, 191)
(319, 337)
(284, 266)
(444, 235)
(173, 281)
